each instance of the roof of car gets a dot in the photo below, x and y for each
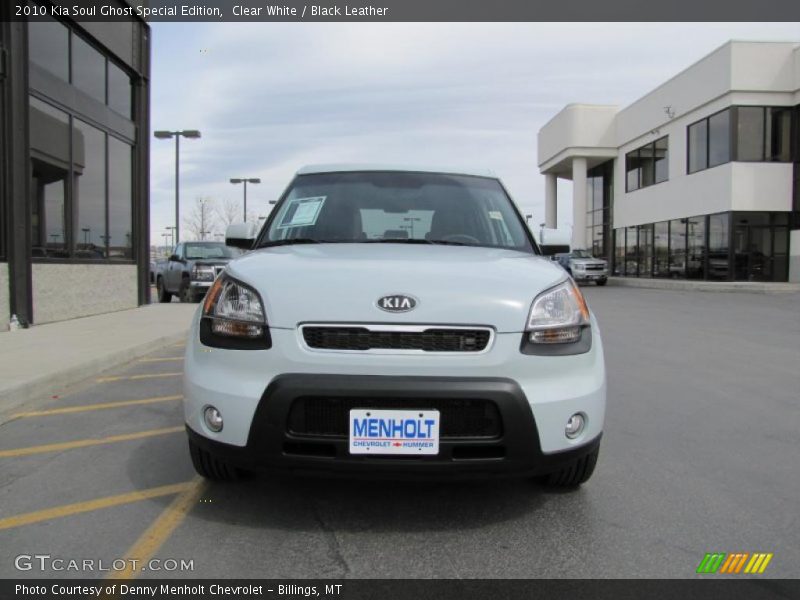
(351, 168)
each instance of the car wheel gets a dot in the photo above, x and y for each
(186, 294)
(572, 475)
(211, 467)
(163, 294)
(602, 281)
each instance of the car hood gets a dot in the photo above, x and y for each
(343, 282)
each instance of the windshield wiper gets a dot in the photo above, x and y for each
(397, 241)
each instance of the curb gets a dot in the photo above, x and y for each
(746, 287)
(13, 398)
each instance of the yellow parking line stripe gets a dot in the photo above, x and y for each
(155, 360)
(98, 406)
(90, 505)
(159, 531)
(135, 377)
(88, 442)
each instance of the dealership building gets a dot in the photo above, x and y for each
(698, 179)
(74, 234)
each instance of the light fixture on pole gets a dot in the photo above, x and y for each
(162, 134)
(245, 181)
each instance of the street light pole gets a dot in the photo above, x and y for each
(165, 135)
(245, 181)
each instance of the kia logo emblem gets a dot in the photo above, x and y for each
(396, 303)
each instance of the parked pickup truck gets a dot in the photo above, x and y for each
(191, 270)
(583, 266)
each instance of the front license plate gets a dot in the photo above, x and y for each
(394, 431)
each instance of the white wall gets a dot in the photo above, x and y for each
(68, 291)
(794, 256)
(4, 301)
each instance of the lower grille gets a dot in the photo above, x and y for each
(459, 418)
(427, 340)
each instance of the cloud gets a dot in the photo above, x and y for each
(270, 97)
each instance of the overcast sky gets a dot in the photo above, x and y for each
(271, 97)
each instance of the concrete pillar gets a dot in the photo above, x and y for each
(550, 201)
(579, 203)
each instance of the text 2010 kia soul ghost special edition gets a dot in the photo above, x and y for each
(394, 322)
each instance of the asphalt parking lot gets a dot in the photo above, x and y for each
(700, 454)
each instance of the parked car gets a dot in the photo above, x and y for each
(191, 269)
(454, 349)
(583, 266)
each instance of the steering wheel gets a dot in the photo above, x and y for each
(460, 237)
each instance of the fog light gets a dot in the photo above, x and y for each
(213, 419)
(574, 426)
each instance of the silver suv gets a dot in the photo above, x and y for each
(583, 266)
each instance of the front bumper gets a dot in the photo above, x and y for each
(514, 450)
(589, 275)
(253, 390)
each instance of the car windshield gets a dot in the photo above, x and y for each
(582, 254)
(210, 250)
(397, 207)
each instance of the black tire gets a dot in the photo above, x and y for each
(186, 294)
(573, 475)
(163, 294)
(602, 281)
(211, 467)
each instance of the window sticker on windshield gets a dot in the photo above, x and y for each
(302, 212)
(496, 214)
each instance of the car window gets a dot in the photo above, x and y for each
(398, 206)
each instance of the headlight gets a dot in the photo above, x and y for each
(557, 315)
(234, 317)
(201, 273)
(579, 266)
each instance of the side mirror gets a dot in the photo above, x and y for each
(241, 235)
(175, 258)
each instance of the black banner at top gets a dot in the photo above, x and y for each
(409, 10)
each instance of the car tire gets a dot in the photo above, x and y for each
(163, 294)
(574, 474)
(209, 466)
(186, 294)
(602, 281)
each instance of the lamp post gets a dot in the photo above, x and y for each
(411, 220)
(165, 135)
(245, 181)
(171, 234)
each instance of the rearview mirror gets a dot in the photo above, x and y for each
(241, 235)
(175, 258)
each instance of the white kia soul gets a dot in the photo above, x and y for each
(394, 322)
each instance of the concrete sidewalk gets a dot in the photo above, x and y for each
(753, 287)
(43, 360)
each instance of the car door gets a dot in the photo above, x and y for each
(175, 269)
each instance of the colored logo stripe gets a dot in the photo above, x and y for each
(721, 562)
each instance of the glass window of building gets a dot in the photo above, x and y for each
(750, 133)
(88, 69)
(89, 190)
(645, 250)
(631, 252)
(677, 248)
(719, 138)
(619, 251)
(49, 141)
(632, 168)
(120, 194)
(120, 92)
(661, 153)
(718, 246)
(646, 161)
(695, 247)
(698, 146)
(48, 46)
(779, 134)
(661, 249)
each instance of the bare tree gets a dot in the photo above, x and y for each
(229, 211)
(200, 222)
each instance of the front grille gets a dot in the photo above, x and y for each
(459, 417)
(595, 267)
(428, 340)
